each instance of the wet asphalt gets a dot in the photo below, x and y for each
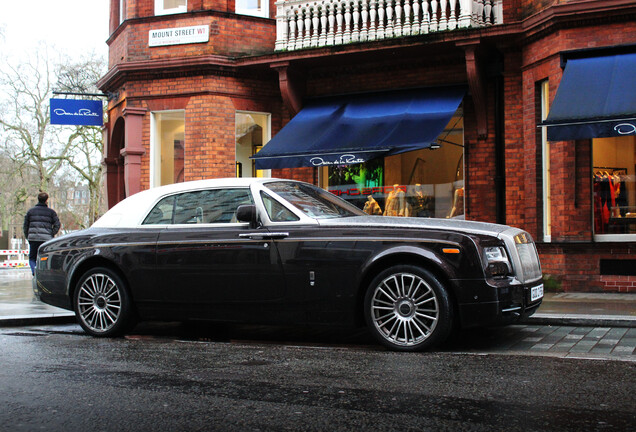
(55, 378)
(196, 376)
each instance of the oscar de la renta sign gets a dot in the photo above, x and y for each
(77, 112)
(178, 36)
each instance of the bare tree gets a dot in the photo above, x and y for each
(25, 118)
(31, 142)
(13, 191)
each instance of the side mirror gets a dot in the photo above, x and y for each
(247, 213)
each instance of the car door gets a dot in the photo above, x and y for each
(210, 267)
(321, 266)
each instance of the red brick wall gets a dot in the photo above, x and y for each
(210, 110)
(526, 8)
(146, 8)
(576, 267)
(230, 34)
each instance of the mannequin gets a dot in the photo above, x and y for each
(396, 203)
(458, 203)
(419, 202)
(372, 207)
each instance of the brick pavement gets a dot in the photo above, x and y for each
(561, 341)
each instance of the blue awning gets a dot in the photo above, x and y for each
(596, 98)
(354, 129)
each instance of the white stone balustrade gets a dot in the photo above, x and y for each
(305, 24)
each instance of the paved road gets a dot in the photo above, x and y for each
(56, 378)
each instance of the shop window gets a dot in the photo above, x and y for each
(613, 174)
(421, 183)
(258, 8)
(545, 152)
(167, 7)
(252, 131)
(167, 148)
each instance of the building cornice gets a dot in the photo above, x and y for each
(122, 72)
(577, 14)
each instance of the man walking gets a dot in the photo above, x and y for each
(40, 224)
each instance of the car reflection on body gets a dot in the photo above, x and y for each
(272, 251)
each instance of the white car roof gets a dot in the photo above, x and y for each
(128, 213)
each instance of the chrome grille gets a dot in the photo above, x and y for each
(529, 261)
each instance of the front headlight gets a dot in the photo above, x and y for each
(498, 264)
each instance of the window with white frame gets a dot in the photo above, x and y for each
(122, 11)
(545, 152)
(259, 8)
(252, 132)
(167, 7)
(167, 147)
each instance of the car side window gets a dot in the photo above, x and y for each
(210, 206)
(276, 211)
(199, 207)
(161, 214)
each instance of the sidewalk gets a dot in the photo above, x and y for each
(587, 309)
(19, 307)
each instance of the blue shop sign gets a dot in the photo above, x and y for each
(77, 112)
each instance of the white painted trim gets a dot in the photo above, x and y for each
(159, 9)
(264, 12)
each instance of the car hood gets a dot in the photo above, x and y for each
(463, 226)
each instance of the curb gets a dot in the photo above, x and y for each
(16, 321)
(537, 319)
(582, 320)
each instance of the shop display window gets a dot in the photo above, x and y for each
(167, 148)
(421, 183)
(252, 131)
(258, 8)
(614, 192)
(166, 7)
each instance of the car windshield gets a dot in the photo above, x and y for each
(313, 201)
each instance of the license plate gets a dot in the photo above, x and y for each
(536, 293)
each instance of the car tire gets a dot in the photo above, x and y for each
(102, 304)
(407, 308)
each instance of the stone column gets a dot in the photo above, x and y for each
(133, 150)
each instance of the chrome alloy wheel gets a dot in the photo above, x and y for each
(99, 302)
(404, 309)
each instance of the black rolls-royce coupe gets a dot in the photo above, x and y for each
(275, 251)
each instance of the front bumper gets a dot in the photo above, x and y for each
(512, 304)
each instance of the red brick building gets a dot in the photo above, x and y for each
(199, 86)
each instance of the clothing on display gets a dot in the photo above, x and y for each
(610, 198)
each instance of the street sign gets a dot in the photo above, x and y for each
(77, 112)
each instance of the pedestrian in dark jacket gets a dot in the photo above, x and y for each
(40, 224)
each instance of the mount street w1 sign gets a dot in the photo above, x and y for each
(77, 112)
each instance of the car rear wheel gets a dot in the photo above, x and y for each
(407, 309)
(102, 303)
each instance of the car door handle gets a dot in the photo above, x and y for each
(265, 236)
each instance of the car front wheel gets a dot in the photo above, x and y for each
(102, 304)
(407, 309)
